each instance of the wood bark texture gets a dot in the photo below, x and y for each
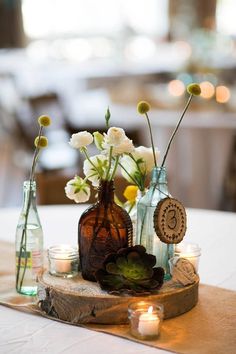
(79, 301)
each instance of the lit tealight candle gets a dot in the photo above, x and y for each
(145, 319)
(189, 251)
(63, 261)
(149, 323)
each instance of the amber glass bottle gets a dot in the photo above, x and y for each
(104, 227)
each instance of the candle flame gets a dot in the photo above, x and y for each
(150, 309)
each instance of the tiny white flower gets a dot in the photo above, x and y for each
(95, 170)
(116, 138)
(78, 190)
(81, 139)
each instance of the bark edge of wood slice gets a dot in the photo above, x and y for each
(79, 301)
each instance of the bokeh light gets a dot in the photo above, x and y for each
(176, 88)
(222, 94)
(207, 89)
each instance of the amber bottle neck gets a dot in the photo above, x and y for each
(106, 192)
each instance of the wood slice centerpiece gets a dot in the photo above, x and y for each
(78, 301)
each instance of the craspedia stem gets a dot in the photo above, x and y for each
(143, 107)
(175, 131)
(153, 148)
(193, 90)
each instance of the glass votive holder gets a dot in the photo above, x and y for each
(63, 261)
(189, 251)
(145, 319)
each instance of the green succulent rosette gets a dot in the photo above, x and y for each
(130, 271)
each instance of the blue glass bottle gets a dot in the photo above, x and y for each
(28, 243)
(145, 233)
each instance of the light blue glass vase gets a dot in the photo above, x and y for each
(28, 243)
(145, 233)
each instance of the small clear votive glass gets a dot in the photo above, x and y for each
(63, 261)
(189, 251)
(145, 319)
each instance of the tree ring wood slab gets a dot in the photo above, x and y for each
(78, 301)
(170, 220)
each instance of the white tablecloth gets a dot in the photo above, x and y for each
(215, 232)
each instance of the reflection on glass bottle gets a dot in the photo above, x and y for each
(104, 227)
(145, 233)
(28, 243)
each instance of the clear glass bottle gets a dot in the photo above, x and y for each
(145, 233)
(28, 243)
(104, 228)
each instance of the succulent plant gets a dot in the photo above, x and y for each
(130, 271)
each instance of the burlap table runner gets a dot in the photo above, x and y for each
(208, 328)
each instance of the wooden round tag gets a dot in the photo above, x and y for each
(170, 220)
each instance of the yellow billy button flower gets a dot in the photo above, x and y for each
(130, 193)
(41, 142)
(194, 89)
(143, 107)
(44, 121)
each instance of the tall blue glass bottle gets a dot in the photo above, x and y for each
(145, 233)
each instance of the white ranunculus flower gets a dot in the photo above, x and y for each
(97, 169)
(78, 190)
(81, 139)
(147, 155)
(136, 171)
(116, 138)
(125, 147)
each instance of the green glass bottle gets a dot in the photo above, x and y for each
(145, 233)
(28, 243)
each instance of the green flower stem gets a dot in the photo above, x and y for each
(115, 168)
(140, 187)
(131, 207)
(84, 150)
(109, 164)
(36, 153)
(87, 177)
(137, 164)
(140, 172)
(153, 149)
(176, 128)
